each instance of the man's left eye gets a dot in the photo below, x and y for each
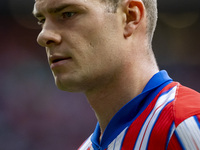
(68, 14)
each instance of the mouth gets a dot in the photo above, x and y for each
(58, 60)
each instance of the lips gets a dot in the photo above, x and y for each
(58, 60)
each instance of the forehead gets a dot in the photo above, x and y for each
(42, 6)
(54, 3)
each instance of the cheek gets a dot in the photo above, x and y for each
(100, 52)
(94, 44)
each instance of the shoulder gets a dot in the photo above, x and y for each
(186, 129)
(186, 104)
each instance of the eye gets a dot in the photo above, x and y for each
(68, 14)
(41, 22)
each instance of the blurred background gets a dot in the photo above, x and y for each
(35, 115)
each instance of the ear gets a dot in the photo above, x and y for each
(134, 14)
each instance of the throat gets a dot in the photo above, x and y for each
(107, 104)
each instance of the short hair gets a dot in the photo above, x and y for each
(151, 9)
(152, 16)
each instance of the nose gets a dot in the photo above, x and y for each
(47, 37)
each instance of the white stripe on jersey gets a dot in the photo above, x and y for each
(171, 132)
(117, 142)
(144, 134)
(87, 144)
(189, 133)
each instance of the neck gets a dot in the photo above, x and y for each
(107, 100)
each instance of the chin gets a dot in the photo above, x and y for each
(68, 86)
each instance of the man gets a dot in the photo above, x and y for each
(103, 49)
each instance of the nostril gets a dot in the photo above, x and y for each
(49, 42)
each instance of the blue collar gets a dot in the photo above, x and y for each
(128, 113)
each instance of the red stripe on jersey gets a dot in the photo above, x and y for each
(197, 148)
(82, 144)
(187, 105)
(86, 144)
(159, 135)
(174, 144)
(134, 129)
(198, 117)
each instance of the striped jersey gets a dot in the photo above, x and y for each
(166, 115)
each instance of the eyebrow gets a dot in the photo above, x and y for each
(58, 9)
(52, 10)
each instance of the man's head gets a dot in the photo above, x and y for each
(88, 47)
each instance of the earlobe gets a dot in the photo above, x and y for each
(134, 14)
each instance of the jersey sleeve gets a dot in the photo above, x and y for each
(186, 129)
(186, 135)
